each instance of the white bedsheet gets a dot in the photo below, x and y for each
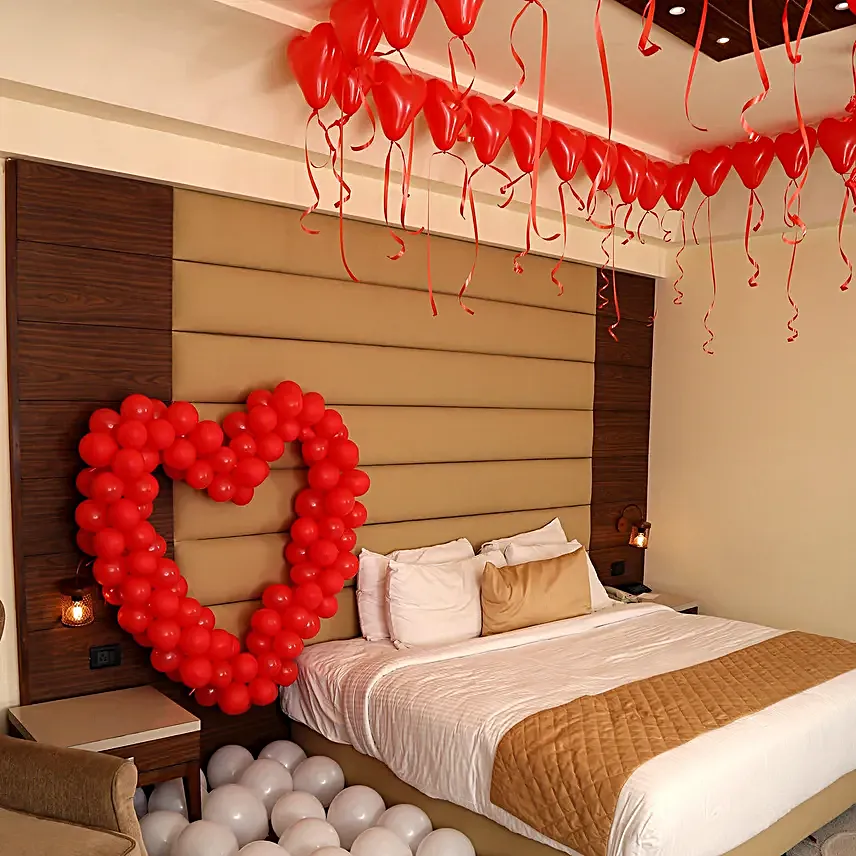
(436, 716)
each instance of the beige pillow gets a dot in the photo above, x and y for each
(535, 593)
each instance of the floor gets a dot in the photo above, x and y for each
(837, 838)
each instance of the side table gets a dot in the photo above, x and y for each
(142, 724)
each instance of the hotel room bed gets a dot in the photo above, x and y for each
(435, 717)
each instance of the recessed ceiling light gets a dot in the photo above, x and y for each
(723, 40)
(677, 10)
(841, 7)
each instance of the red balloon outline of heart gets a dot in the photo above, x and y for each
(122, 450)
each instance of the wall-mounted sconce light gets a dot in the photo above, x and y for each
(632, 523)
(76, 601)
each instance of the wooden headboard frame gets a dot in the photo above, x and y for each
(90, 319)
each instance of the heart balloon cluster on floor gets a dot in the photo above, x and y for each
(285, 804)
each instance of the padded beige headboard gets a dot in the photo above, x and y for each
(469, 426)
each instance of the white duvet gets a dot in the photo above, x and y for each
(435, 717)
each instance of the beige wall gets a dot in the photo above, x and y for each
(752, 488)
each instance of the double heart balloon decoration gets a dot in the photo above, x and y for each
(228, 461)
(338, 61)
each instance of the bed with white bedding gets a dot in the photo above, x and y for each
(435, 718)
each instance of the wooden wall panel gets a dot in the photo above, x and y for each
(622, 405)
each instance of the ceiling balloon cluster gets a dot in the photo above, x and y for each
(339, 61)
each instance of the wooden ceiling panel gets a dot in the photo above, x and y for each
(730, 19)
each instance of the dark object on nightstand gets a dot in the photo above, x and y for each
(634, 588)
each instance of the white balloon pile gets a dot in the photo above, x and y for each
(303, 800)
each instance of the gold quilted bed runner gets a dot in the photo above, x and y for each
(561, 770)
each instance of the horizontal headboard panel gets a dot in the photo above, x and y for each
(469, 425)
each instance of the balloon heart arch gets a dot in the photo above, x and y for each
(123, 449)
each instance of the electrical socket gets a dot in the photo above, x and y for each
(105, 656)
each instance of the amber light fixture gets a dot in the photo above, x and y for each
(76, 600)
(632, 523)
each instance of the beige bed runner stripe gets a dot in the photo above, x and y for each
(562, 770)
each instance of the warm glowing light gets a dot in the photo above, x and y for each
(75, 605)
(723, 40)
(841, 7)
(677, 10)
(77, 611)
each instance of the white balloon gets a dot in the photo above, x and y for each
(239, 809)
(262, 848)
(141, 803)
(268, 780)
(446, 842)
(160, 830)
(227, 764)
(379, 842)
(408, 822)
(204, 838)
(295, 806)
(168, 796)
(307, 836)
(203, 782)
(331, 851)
(354, 810)
(320, 776)
(289, 754)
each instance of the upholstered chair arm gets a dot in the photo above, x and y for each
(80, 787)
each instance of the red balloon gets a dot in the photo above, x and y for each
(270, 447)
(250, 472)
(323, 553)
(84, 479)
(104, 420)
(678, 185)
(244, 446)
(566, 147)
(160, 433)
(142, 563)
(328, 608)
(180, 455)
(295, 554)
(221, 675)
(196, 672)
(345, 454)
(235, 424)
(276, 596)
(207, 436)
(189, 611)
(164, 634)
(651, 192)
(112, 596)
(356, 517)
(244, 667)
(347, 542)
(355, 481)
(109, 573)
(752, 160)
(158, 546)
(791, 151)
(85, 542)
(221, 645)
(151, 459)
(158, 409)
(357, 28)
(460, 15)
(331, 583)
(309, 503)
(133, 619)
(183, 416)
(234, 699)
(305, 572)
(180, 588)
(257, 643)
(314, 450)
(287, 645)
(316, 60)
(98, 449)
(398, 96)
(266, 621)
(346, 565)
(323, 476)
(224, 460)
(259, 396)
(109, 543)
(243, 495)
(331, 528)
(837, 138)
(309, 595)
(710, 169)
(269, 666)
(629, 172)
(851, 5)
(301, 621)
(207, 696)
(399, 20)
(128, 464)
(287, 399)
(313, 408)
(123, 514)
(262, 691)
(304, 531)
(288, 675)
(207, 618)
(136, 591)
(261, 419)
(522, 138)
(339, 502)
(445, 114)
(195, 641)
(221, 489)
(140, 536)
(90, 515)
(600, 154)
(289, 430)
(199, 475)
(137, 406)
(132, 435)
(490, 125)
(162, 659)
(351, 90)
(164, 603)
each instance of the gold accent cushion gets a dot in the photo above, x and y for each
(533, 593)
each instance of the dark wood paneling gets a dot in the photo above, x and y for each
(634, 564)
(604, 517)
(633, 345)
(619, 387)
(74, 208)
(617, 478)
(635, 299)
(620, 432)
(68, 285)
(166, 752)
(73, 362)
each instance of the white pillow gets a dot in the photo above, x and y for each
(551, 533)
(517, 554)
(436, 604)
(371, 581)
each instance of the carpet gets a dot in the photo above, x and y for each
(837, 838)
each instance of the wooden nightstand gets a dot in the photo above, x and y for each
(673, 601)
(159, 736)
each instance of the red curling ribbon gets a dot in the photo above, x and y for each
(469, 278)
(753, 280)
(343, 189)
(452, 69)
(762, 73)
(793, 333)
(371, 139)
(693, 64)
(309, 166)
(706, 347)
(518, 267)
(609, 230)
(607, 92)
(630, 233)
(553, 273)
(679, 295)
(851, 104)
(846, 284)
(695, 218)
(386, 171)
(614, 326)
(646, 46)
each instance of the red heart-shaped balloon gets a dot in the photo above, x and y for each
(351, 89)
(567, 147)
(316, 61)
(791, 151)
(599, 154)
(679, 183)
(837, 137)
(357, 28)
(752, 160)
(653, 185)
(710, 169)
(460, 15)
(399, 96)
(445, 114)
(399, 20)
(490, 125)
(629, 173)
(522, 138)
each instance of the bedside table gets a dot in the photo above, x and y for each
(673, 601)
(142, 724)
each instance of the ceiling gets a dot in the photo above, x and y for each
(648, 91)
